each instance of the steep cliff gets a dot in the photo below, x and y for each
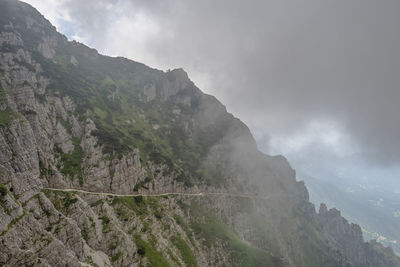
(180, 181)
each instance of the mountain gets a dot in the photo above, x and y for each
(374, 208)
(107, 162)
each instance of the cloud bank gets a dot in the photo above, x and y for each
(281, 66)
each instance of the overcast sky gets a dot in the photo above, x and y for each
(315, 80)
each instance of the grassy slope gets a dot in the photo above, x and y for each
(212, 229)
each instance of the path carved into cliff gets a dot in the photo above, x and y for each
(201, 194)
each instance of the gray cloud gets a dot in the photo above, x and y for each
(278, 65)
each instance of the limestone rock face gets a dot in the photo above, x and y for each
(11, 39)
(46, 48)
(348, 236)
(116, 137)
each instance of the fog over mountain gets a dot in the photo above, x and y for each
(282, 66)
(108, 161)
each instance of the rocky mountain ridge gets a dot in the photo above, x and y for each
(72, 118)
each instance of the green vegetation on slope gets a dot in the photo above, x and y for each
(145, 249)
(3, 190)
(137, 204)
(7, 116)
(72, 162)
(187, 254)
(61, 200)
(211, 228)
(112, 90)
(312, 247)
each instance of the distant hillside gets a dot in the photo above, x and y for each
(375, 211)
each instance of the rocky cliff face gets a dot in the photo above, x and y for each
(71, 118)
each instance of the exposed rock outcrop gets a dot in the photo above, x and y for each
(72, 118)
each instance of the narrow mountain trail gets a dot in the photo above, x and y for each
(201, 194)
